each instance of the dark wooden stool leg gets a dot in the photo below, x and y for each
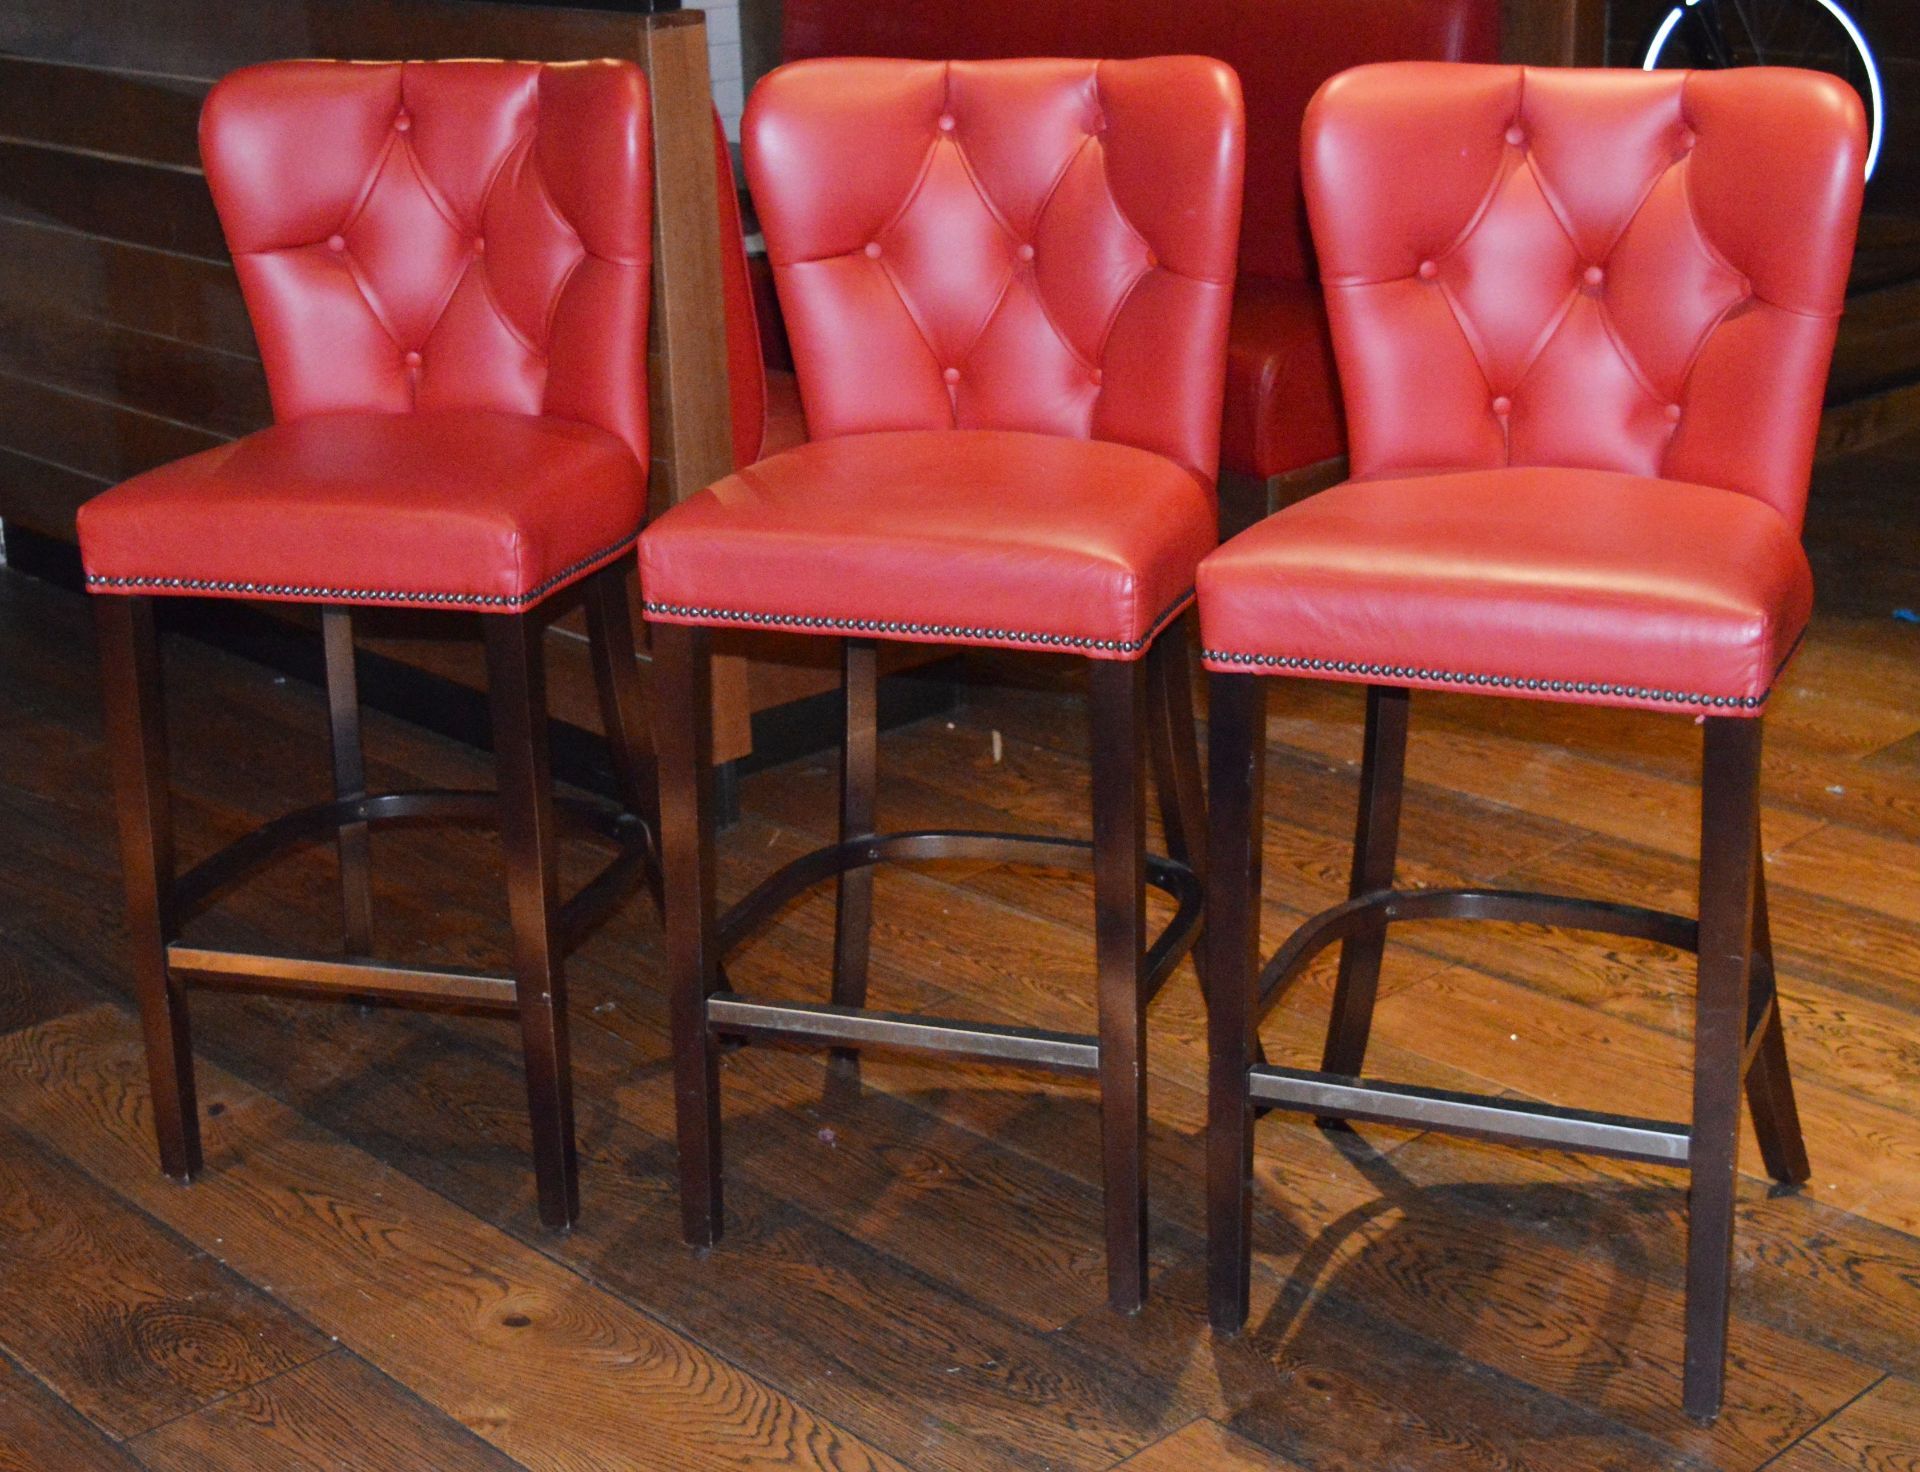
(349, 779)
(1117, 708)
(1376, 841)
(1236, 779)
(136, 730)
(517, 687)
(616, 678)
(1729, 844)
(683, 737)
(1776, 1118)
(859, 778)
(1175, 751)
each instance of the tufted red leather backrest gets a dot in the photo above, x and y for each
(438, 235)
(1282, 50)
(1617, 270)
(1036, 245)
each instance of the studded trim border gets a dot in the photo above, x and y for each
(1496, 682)
(366, 595)
(812, 623)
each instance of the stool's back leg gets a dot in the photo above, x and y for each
(859, 779)
(137, 748)
(517, 689)
(1176, 774)
(1376, 841)
(1776, 1118)
(1175, 752)
(1117, 709)
(616, 678)
(349, 778)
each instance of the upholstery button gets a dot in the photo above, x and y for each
(1025, 252)
(1502, 405)
(413, 360)
(946, 122)
(1515, 136)
(1688, 138)
(952, 375)
(479, 246)
(1098, 376)
(336, 242)
(1593, 275)
(401, 123)
(1428, 270)
(1673, 413)
(873, 250)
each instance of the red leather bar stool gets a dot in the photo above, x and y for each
(447, 267)
(1583, 321)
(1007, 286)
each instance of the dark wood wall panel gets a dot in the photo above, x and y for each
(158, 205)
(49, 342)
(205, 39)
(93, 436)
(42, 497)
(191, 299)
(105, 111)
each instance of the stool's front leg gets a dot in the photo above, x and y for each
(517, 688)
(1236, 781)
(1118, 710)
(683, 738)
(1729, 851)
(137, 746)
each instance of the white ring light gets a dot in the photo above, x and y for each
(1832, 7)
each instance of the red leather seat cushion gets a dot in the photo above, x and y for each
(1556, 584)
(1283, 396)
(998, 537)
(470, 508)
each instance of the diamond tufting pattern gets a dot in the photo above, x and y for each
(1605, 270)
(441, 235)
(996, 245)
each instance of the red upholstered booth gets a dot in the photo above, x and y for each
(1282, 406)
(1583, 321)
(1007, 286)
(448, 269)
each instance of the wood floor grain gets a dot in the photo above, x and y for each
(911, 1277)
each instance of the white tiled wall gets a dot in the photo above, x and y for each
(723, 51)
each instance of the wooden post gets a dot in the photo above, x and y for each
(1554, 32)
(691, 408)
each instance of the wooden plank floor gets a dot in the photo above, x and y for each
(912, 1278)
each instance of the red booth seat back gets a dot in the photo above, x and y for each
(1615, 270)
(1282, 49)
(441, 235)
(1029, 245)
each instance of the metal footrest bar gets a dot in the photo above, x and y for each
(1486, 1116)
(1384, 906)
(829, 1025)
(767, 897)
(198, 886)
(253, 971)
